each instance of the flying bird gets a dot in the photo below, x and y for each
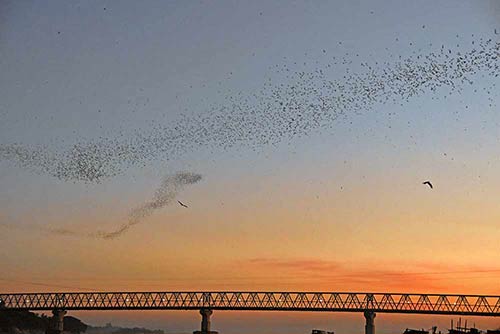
(182, 204)
(308, 102)
(428, 183)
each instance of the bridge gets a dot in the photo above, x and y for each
(206, 302)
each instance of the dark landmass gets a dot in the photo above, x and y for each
(19, 321)
(110, 329)
(29, 322)
(25, 322)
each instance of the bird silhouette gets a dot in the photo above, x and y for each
(182, 204)
(428, 183)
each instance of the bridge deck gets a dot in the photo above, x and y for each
(477, 305)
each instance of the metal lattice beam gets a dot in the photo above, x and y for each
(264, 301)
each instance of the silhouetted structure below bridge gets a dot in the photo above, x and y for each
(207, 302)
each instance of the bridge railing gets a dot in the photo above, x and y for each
(284, 301)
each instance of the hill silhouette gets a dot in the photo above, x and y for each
(24, 321)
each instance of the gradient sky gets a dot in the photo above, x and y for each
(338, 210)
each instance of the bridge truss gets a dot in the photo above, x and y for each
(474, 305)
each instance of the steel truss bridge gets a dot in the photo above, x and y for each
(473, 305)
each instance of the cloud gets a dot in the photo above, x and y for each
(319, 274)
(297, 265)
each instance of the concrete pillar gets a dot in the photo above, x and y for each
(56, 323)
(370, 322)
(205, 322)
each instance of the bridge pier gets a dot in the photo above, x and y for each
(56, 323)
(205, 322)
(370, 322)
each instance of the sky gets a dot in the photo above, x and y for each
(297, 133)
